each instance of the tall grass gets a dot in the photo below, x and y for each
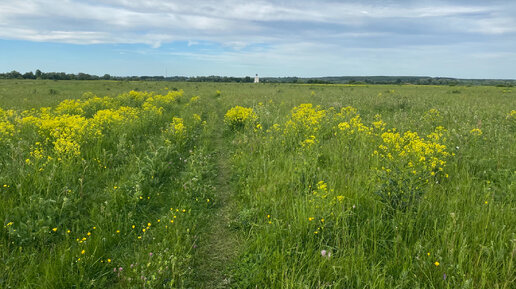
(332, 186)
(326, 210)
(99, 192)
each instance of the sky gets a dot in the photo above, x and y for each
(304, 38)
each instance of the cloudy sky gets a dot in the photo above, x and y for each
(464, 38)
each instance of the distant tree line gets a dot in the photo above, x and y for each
(214, 78)
(365, 80)
(38, 74)
(420, 80)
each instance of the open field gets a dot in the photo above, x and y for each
(117, 184)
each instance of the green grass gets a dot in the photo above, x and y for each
(299, 204)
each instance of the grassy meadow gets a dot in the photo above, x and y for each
(119, 184)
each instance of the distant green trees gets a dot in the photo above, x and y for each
(47, 75)
(419, 80)
(38, 74)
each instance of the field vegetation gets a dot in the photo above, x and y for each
(120, 184)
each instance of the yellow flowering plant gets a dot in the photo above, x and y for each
(406, 164)
(305, 119)
(6, 131)
(240, 117)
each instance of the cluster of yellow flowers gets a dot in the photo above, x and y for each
(403, 162)
(325, 204)
(309, 141)
(6, 127)
(438, 134)
(112, 118)
(176, 129)
(75, 122)
(379, 125)
(433, 115)
(354, 125)
(305, 118)
(309, 120)
(239, 116)
(178, 126)
(64, 132)
(194, 99)
(406, 164)
(408, 150)
(307, 124)
(321, 203)
(162, 101)
(92, 104)
(70, 106)
(87, 107)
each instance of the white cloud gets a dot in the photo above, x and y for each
(153, 22)
(502, 25)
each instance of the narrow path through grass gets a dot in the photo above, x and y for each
(220, 245)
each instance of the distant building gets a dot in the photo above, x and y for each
(256, 79)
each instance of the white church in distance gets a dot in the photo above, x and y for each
(256, 79)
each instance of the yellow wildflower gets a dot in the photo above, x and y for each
(239, 116)
(476, 132)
